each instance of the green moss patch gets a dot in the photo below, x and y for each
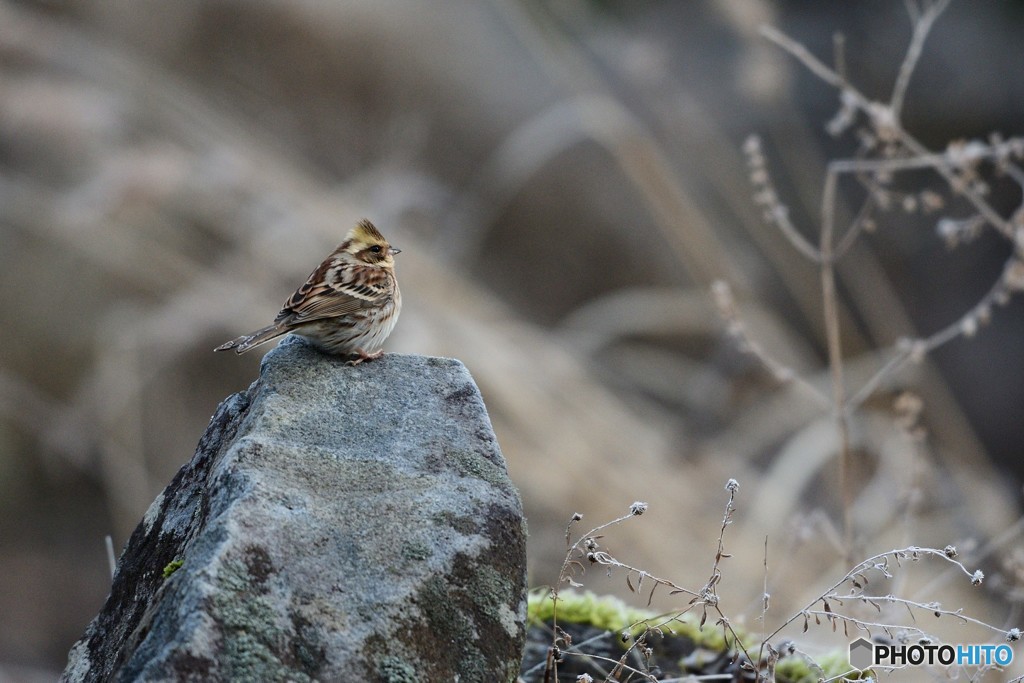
(606, 627)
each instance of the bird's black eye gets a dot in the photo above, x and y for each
(375, 249)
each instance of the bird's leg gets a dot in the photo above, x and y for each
(363, 355)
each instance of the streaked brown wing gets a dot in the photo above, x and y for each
(334, 290)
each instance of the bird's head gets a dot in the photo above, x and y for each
(366, 245)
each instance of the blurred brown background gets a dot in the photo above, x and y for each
(565, 180)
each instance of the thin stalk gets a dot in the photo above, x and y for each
(830, 302)
(922, 22)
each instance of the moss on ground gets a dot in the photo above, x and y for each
(682, 647)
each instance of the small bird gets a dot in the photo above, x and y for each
(349, 304)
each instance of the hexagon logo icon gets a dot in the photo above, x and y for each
(861, 654)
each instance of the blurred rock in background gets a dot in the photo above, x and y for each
(565, 179)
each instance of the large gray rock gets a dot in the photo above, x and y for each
(335, 524)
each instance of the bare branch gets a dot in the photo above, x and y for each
(922, 22)
(815, 65)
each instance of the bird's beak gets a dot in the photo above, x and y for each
(394, 251)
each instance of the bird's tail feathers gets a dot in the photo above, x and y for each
(248, 341)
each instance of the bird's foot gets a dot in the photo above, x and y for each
(363, 355)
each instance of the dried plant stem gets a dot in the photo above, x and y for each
(726, 305)
(912, 350)
(617, 665)
(813, 64)
(764, 603)
(922, 22)
(928, 607)
(901, 152)
(879, 563)
(926, 159)
(874, 110)
(586, 545)
(576, 648)
(949, 175)
(855, 229)
(827, 607)
(835, 353)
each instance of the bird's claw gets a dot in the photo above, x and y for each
(363, 355)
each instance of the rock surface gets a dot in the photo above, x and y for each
(335, 524)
